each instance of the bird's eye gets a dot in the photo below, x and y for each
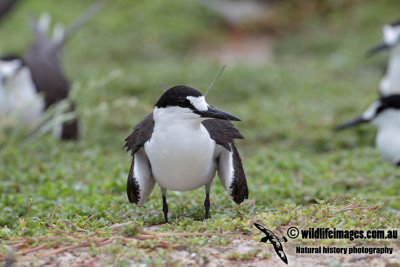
(183, 102)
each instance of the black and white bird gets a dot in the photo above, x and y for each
(181, 145)
(385, 114)
(390, 83)
(32, 84)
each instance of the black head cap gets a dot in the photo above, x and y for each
(10, 57)
(177, 96)
(395, 23)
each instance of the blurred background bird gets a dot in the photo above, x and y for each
(385, 112)
(390, 83)
(36, 82)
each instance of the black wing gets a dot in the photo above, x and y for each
(140, 181)
(222, 132)
(141, 133)
(230, 169)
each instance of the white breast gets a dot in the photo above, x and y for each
(390, 84)
(19, 100)
(180, 150)
(388, 137)
(388, 144)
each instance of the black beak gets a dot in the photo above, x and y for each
(217, 114)
(351, 123)
(378, 48)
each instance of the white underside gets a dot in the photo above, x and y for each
(181, 153)
(388, 137)
(21, 105)
(19, 100)
(143, 175)
(388, 144)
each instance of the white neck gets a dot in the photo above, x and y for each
(391, 82)
(175, 116)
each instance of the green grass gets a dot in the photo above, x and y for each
(318, 77)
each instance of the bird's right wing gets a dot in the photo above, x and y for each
(140, 179)
(230, 169)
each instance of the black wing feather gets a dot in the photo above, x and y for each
(222, 132)
(240, 192)
(132, 188)
(141, 133)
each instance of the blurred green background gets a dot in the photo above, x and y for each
(311, 74)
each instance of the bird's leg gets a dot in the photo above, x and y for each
(207, 200)
(165, 205)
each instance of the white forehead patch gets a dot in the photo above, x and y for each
(8, 68)
(371, 111)
(199, 102)
(391, 34)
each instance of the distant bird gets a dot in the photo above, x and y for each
(32, 84)
(238, 12)
(390, 83)
(180, 145)
(274, 240)
(385, 114)
(6, 6)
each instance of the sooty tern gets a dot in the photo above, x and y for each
(385, 114)
(180, 145)
(390, 83)
(31, 84)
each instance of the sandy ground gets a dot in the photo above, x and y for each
(212, 256)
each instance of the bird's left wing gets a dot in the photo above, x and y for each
(230, 169)
(140, 179)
